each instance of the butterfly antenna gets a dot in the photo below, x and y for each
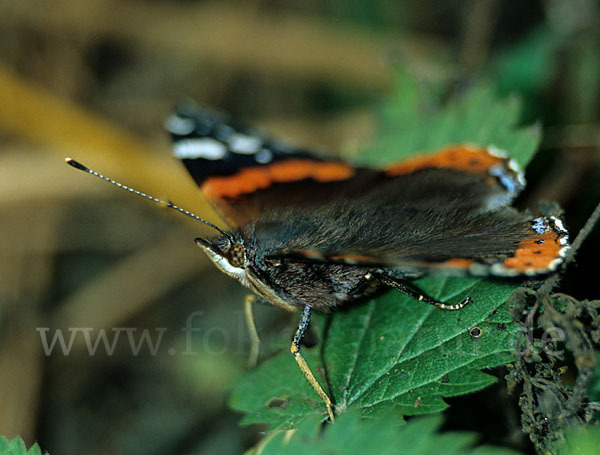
(81, 167)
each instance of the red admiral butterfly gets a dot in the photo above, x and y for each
(316, 233)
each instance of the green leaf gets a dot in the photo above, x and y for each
(277, 392)
(405, 361)
(530, 64)
(594, 387)
(529, 67)
(583, 440)
(351, 435)
(390, 353)
(477, 118)
(16, 446)
(394, 354)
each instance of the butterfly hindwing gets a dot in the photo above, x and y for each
(500, 243)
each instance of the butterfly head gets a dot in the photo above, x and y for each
(228, 254)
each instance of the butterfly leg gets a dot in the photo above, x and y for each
(249, 317)
(295, 349)
(398, 285)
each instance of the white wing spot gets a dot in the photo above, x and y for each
(246, 145)
(558, 223)
(539, 225)
(180, 125)
(207, 148)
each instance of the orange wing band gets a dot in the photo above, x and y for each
(460, 157)
(255, 178)
(533, 256)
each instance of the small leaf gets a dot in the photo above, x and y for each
(16, 446)
(351, 435)
(529, 65)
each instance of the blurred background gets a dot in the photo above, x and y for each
(94, 79)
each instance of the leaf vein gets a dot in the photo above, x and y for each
(366, 324)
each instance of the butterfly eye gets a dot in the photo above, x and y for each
(236, 255)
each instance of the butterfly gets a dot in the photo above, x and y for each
(307, 232)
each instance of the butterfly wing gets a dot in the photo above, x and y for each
(441, 213)
(455, 241)
(245, 173)
(445, 211)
